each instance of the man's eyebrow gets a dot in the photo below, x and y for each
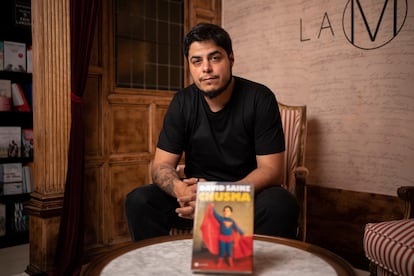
(209, 55)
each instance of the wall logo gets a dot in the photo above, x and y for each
(372, 24)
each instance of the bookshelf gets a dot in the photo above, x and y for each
(15, 40)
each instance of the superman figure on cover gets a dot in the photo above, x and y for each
(222, 236)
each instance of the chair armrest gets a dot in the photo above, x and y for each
(301, 171)
(300, 193)
(406, 193)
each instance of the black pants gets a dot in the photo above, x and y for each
(151, 213)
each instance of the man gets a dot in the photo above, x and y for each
(230, 130)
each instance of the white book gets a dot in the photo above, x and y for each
(10, 142)
(11, 172)
(12, 188)
(29, 60)
(14, 56)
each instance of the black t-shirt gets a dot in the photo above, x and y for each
(222, 146)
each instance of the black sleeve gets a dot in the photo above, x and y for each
(269, 137)
(172, 135)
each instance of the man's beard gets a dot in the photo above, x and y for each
(214, 93)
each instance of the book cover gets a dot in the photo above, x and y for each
(28, 92)
(10, 142)
(1, 56)
(5, 95)
(14, 56)
(20, 102)
(2, 219)
(27, 143)
(20, 218)
(11, 172)
(27, 179)
(29, 60)
(13, 188)
(223, 228)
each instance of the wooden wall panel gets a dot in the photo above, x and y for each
(123, 178)
(129, 126)
(94, 206)
(336, 219)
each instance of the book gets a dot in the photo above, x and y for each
(29, 59)
(27, 179)
(11, 172)
(14, 56)
(5, 95)
(1, 56)
(2, 219)
(13, 188)
(223, 228)
(10, 141)
(20, 102)
(28, 91)
(20, 219)
(27, 143)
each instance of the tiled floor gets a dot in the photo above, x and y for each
(14, 260)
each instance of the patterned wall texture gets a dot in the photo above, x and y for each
(352, 63)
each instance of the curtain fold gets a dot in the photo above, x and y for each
(69, 250)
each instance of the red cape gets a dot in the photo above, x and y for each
(210, 231)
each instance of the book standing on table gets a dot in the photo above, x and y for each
(223, 228)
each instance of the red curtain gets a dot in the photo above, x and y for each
(69, 255)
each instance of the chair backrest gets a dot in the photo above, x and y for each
(294, 126)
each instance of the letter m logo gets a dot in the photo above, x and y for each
(370, 24)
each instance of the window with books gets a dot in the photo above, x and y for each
(148, 39)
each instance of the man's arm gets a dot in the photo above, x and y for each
(164, 174)
(269, 171)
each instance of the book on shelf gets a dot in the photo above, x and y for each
(29, 59)
(223, 228)
(2, 219)
(20, 220)
(14, 56)
(11, 172)
(1, 56)
(12, 188)
(27, 142)
(10, 141)
(28, 91)
(27, 179)
(20, 102)
(5, 95)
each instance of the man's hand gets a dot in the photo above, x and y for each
(187, 199)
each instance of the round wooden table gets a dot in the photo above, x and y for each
(171, 255)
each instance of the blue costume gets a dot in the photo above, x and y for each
(227, 226)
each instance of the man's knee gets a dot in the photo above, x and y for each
(276, 213)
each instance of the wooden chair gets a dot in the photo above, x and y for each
(294, 122)
(389, 245)
(294, 125)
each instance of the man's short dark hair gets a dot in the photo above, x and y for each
(207, 31)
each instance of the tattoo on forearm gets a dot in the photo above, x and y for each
(164, 177)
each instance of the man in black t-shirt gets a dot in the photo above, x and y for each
(230, 130)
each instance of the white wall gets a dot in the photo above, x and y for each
(360, 102)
